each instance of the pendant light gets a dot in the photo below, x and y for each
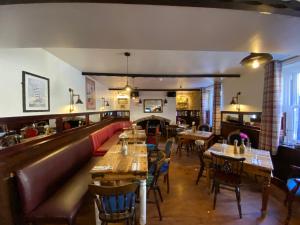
(127, 87)
(254, 60)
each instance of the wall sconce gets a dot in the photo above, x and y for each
(140, 101)
(72, 95)
(105, 102)
(235, 101)
(166, 101)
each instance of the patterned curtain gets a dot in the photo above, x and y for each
(203, 106)
(271, 108)
(216, 108)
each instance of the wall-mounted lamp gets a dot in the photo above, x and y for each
(166, 101)
(72, 95)
(235, 101)
(140, 101)
(105, 102)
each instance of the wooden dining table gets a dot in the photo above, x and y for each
(135, 136)
(116, 166)
(257, 163)
(198, 135)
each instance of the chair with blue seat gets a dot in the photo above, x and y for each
(115, 203)
(154, 173)
(166, 165)
(293, 189)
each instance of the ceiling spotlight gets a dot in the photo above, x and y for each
(254, 60)
(265, 13)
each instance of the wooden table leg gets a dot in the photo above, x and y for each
(143, 202)
(265, 195)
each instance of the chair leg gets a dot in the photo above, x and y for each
(157, 204)
(200, 173)
(160, 195)
(238, 199)
(290, 200)
(168, 183)
(216, 187)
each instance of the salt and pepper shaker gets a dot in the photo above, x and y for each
(242, 147)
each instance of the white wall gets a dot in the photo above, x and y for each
(169, 110)
(38, 61)
(250, 84)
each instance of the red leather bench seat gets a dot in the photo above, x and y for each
(52, 188)
(104, 138)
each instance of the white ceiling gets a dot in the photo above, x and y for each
(163, 39)
(160, 62)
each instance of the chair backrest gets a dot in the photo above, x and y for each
(169, 147)
(227, 166)
(157, 165)
(237, 135)
(204, 127)
(200, 150)
(114, 199)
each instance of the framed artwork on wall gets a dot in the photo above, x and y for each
(153, 105)
(36, 93)
(90, 94)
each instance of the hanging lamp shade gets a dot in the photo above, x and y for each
(78, 101)
(254, 60)
(127, 86)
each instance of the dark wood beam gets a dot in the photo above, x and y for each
(146, 89)
(291, 8)
(159, 75)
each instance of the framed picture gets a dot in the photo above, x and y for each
(153, 105)
(90, 94)
(36, 93)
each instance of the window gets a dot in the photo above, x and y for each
(291, 101)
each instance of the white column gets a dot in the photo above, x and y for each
(98, 221)
(143, 202)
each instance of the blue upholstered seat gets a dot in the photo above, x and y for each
(291, 185)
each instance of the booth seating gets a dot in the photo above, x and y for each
(52, 189)
(104, 138)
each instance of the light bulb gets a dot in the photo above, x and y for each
(128, 88)
(255, 64)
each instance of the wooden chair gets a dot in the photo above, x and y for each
(204, 127)
(184, 143)
(227, 173)
(165, 167)
(293, 190)
(200, 145)
(237, 135)
(152, 180)
(115, 203)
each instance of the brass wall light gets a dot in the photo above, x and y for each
(105, 102)
(235, 101)
(72, 95)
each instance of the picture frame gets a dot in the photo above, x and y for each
(90, 90)
(153, 105)
(35, 93)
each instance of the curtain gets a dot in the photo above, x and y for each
(203, 106)
(271, 108)
(217, 108)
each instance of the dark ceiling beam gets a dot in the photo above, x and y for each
(149, 89)
(291, 8)
(159, 75)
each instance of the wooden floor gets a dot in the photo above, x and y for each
(190, 204)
